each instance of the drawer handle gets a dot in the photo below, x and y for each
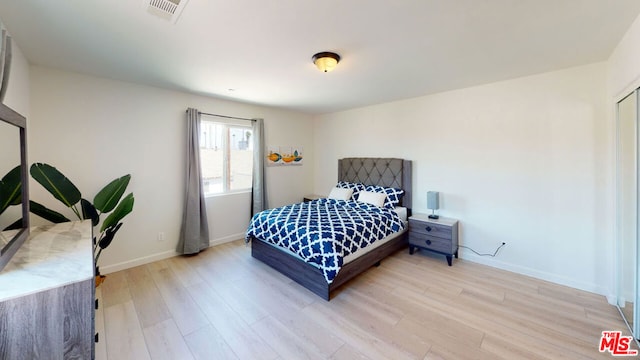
(428, 242)
(96, 304)
(95, 339)
(428, 228)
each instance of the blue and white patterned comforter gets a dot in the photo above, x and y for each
(324, 231)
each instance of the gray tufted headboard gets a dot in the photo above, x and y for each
(388, 172)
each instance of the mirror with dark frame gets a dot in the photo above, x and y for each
(14, 189)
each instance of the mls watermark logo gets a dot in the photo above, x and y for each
(616, 344)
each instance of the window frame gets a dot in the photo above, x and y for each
(228, 125)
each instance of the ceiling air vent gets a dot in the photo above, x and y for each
(166, 9)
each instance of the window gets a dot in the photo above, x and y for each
(226, 157)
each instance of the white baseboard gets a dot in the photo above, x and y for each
(593, 288)
(161, 256)
(226, 239)
(137, 262)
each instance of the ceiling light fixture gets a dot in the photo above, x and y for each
(326, 61)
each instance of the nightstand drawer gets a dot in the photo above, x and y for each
(431, 242)
(437, 230)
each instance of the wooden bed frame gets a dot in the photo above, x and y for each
(387, 172)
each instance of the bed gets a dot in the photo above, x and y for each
(384, 172)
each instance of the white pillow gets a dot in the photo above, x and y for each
(340, 194)
(372, 198)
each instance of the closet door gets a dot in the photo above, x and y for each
(627, 210)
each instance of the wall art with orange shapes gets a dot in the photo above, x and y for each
(284, 155)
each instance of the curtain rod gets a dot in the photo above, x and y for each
(225, 116)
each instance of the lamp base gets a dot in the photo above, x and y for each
(434, 216)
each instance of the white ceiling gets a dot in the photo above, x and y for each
(262, 49)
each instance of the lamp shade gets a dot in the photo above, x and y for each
(326, 61)
(433, 200)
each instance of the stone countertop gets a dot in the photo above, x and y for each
(53, 256)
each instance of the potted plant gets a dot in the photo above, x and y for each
(108, 202)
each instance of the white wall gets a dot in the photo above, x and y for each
(524, 161)
(17, 96)
(624, 64)
(95, 129)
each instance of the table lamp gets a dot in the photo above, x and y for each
(433, 203)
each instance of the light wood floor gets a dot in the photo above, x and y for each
(223, 304)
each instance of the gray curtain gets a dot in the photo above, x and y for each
(194, 234)
(6, 66)
(259, 187)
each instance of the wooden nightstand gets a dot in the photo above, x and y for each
(437, 235)
(312, 197)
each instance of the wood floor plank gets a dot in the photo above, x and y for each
(123, 331)
(115, 289)
(443, 352)
(362, 340)
(150, 306)
(184, 311)
(607, 317)
(237, 333)
(281, 286)
(415, 342)
(364, 298)
(502, 348)
(541, 303)
(575, 296)
(165, 342)
(206, 344)
(284, 341)
(347, 352)
(353, 305)
(247, 307)
(225, 264)
(406, 279)
(433, 329)
(184, 270)
(379, 320)
(567, 319)
(288, 313)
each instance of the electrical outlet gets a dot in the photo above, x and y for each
(161, 236)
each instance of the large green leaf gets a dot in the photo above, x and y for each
(45, 213)
(10, 189)
(56, 183)
(107, 199)
(109, 234)
(89, 212)
(122, 210)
